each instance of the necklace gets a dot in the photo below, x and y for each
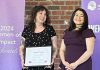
(78, 27)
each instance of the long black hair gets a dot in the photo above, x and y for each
(34, 14)
(85, 23)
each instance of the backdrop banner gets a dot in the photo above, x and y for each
(11, 26)
(92, 8)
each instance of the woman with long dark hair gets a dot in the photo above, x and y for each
(38, 33)
(78, 43)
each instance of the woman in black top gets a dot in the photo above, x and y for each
(39, 33)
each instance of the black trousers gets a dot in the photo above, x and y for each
(40, 68)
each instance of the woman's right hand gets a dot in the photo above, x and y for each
(23, 65)
(67, 65)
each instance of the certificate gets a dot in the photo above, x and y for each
(38, 56)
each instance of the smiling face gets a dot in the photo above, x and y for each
(78, 18)
(41, 17)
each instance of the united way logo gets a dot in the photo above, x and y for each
(92, 5)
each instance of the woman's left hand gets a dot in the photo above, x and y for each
(52, 62)
(49, 66)
(73, 65)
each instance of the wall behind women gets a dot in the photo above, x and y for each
(60, 10)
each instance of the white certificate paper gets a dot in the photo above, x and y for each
(38, 56)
